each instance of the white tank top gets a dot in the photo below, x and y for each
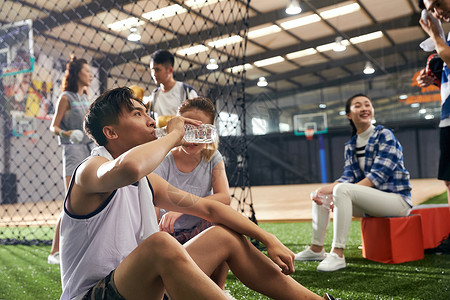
(94, 245)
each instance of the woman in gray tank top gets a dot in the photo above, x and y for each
(67, 124)
(197, 169)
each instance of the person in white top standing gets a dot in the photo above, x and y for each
(169, 94)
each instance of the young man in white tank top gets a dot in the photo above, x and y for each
(129, 259)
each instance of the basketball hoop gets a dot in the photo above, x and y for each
(309, 133)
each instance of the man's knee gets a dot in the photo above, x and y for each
(163, 246)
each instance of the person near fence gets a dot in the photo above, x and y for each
(441, 11)
(102, 258)
(374, 183)
(67, 124)
(198, 169)
(170, 93)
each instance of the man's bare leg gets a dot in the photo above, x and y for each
(219, 276)
(253, 268)
(161, 263)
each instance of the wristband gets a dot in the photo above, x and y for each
(60, 133)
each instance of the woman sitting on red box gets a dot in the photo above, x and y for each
(374, 183)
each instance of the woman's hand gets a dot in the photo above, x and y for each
(168, 221)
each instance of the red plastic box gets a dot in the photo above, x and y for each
(435, 223)
(392, 240)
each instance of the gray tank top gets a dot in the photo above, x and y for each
(73, 118)
(197, 182)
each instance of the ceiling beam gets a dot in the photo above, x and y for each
(399, 48)
(412, 65)
(58, 18)
(402, 22)
(201, 36)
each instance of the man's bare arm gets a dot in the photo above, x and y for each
(173, 199)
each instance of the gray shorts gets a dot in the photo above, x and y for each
(73, 155)
(104, 289)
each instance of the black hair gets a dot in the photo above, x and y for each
(163, 57)
(421, 4)
(73, 68)
(347, 109)
(105, 110)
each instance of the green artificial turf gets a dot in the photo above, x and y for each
(439, 199)
(25, 274)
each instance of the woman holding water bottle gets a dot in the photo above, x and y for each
(374, 183)
(197, 168)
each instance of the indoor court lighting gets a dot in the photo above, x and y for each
(195, 4)
(300, 22)
(342, 113)
(331, 13)
(301, 53)
(263, 31)
(134, 35)
(368, 68)
(429, 117)
(239, 68)
(415, 105)
(192, 50)
(422, 111)
(262, 82)
(226, 41)
(165, 12)
(338, 45)
(331, 46)
(322, 105)
(403, 97)
(269, 61)
(212, 64)
(126, 24)
(343, 10)
(293, 8)
(354, 40)
(366, 37)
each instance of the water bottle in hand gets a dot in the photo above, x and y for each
(203, 134)
(326, 199)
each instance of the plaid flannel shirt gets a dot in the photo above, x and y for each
(383, 164)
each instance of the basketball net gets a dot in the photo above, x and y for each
(309, 133)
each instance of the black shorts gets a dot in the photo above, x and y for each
(444, 160)
(104, 289)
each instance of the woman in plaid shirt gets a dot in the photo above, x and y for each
(374, 182)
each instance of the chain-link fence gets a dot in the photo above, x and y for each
(116, 37)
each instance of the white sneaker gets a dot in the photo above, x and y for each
(308, 254)
(331, 263)
(53, 259)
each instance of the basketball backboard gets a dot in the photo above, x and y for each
(315, 121)
(16, 48)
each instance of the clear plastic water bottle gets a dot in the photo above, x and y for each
(326, 199)
(203, 134)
